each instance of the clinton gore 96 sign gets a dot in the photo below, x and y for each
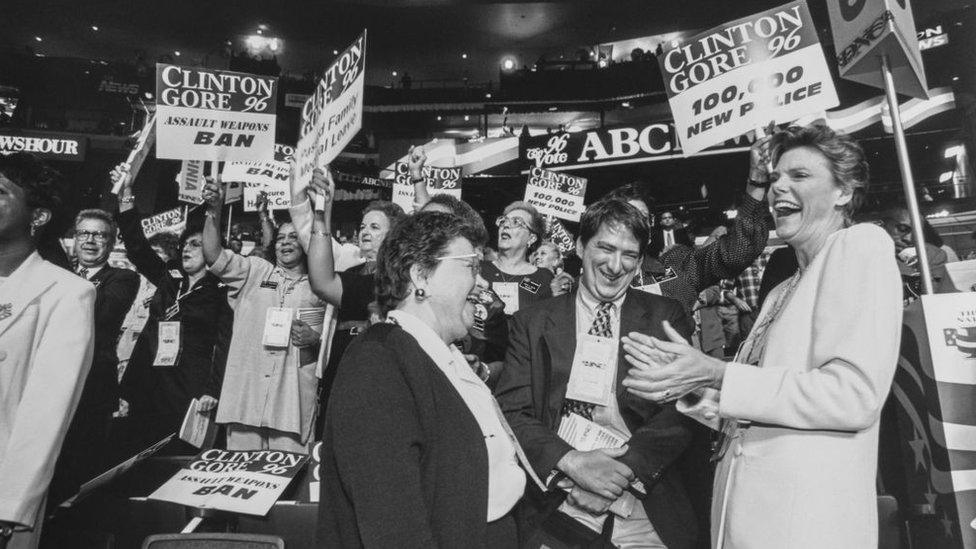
(204, 114)
(735, 77)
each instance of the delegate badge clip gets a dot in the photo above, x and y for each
(168, 347)
(277, 327)
(592, 376)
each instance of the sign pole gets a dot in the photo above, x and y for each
(908, 181)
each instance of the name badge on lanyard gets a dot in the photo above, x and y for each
(508, 293)
(172, 311)
(592, 377)
(168, 347)
(277, 326)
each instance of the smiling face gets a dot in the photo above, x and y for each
(610, 261)
(513, 231)
(372, 231)
(287, 250)
(546, 256)
(192, 254)
(806, 202)
(452, 286)
(93, 242)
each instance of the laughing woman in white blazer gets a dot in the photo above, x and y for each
(46, 327)
(799, 405)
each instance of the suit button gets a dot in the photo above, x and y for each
(3, 355)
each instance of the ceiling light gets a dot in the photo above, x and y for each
(439, 117)
(553, 109)
(38, 38)
(263, 27)
(954, 151)
(260, 31)
(177, 53)
(946, 176)
(466, 118)
(94, 28)
(335, 52)
(394, 73)
(487, 96)
(508, 64)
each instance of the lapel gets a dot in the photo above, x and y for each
(559, 333)
(98, 278)
(633, 318)
(30, 280)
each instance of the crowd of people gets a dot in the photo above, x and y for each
(470, 393)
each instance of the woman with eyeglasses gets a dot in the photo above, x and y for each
(518, 282)
(415, 452)
(181, 352)
(269, 394)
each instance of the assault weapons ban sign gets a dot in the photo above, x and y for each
(204, 114)
(270, 177)
(738, 76)
(246, 482)
(333, 114)
(556, 194)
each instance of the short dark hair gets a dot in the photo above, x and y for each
(393, 212)
(615, 211)
(416, 240)
(463, 210)
(633, 191)
(537, 225)
(847, 162)
(169, 242)
(41, 183)
(101, 215)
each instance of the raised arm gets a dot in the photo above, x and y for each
(416, 158)
(213, 197)
(322, 276)
(137, 248)
(268, 224)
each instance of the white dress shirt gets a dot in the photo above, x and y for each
(506, 480)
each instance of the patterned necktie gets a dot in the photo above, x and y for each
(83, 272)
(602, 327)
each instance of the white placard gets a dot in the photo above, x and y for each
(556, 194)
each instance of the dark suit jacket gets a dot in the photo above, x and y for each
(657, 239)
(533, 385)
(404, 462)
(115, 290)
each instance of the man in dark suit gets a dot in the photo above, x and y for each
(570, 345)
(668, 234)
(82, 456)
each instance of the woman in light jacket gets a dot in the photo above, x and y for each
(46, 332)
(799, 406)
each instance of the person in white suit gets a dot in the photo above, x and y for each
(46, 334)
(799, 406)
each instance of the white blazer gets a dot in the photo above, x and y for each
(802, 474)
(46, 333)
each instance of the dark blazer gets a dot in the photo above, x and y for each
(115, 291)
(533, 385)
(404, 462)
(657, 239)
(206, 321)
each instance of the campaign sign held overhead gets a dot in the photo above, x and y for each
(204, 114)
(733, 78)
(333, 114)
(556, 194)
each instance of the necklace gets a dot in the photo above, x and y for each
(757, 337)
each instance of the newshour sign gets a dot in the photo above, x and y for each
(45, 145)
(204, 114)
(866, 29)
(733, 78)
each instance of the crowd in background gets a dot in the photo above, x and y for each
(394, 350)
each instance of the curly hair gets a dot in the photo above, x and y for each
(393, 212)
(416, 240)
(537, 225)
(847, 163)
(463, 210)
(614, 211)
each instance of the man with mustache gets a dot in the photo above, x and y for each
(85, 445)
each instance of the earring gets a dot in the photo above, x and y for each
(33, 229)
(420, 294)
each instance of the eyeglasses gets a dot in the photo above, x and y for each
(98, 236)
(516, 222)
(475, 265)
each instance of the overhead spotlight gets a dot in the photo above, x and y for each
(464, 56)
(260, 31)
(954, 151)
(946, 176)
(176, 53)
(394, 73)
(439, 117)
(466, 118)
(263, 27)
(731, 214)
(553, 109)
(94, 28)
(148, 95)
(38, 38)
(335, 52)
(487, 96)
(625, 104)
(602, 63)
(508, 64)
